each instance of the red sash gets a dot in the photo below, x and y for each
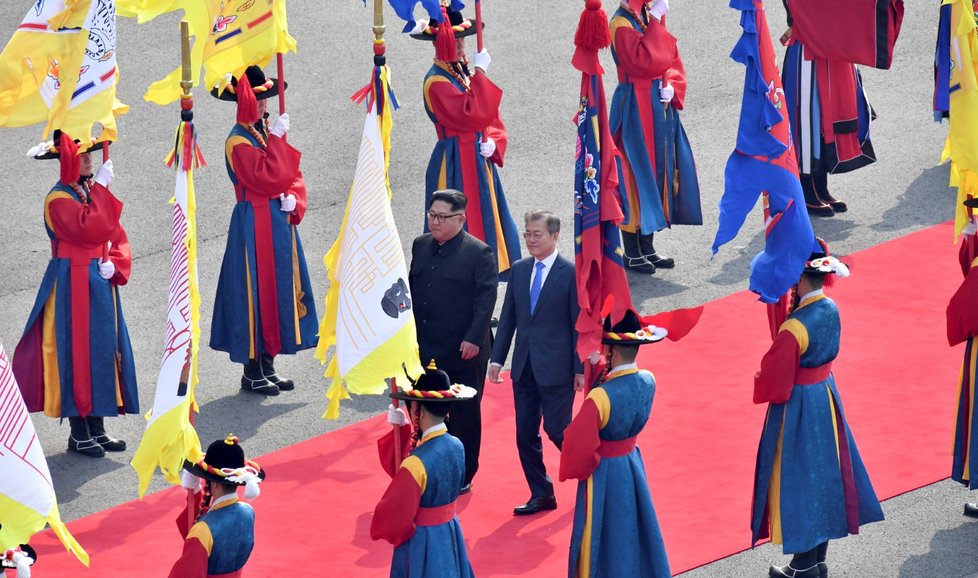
(812, 375)
(616, 448)
(265, 273)
(468, 160)
(435, 516)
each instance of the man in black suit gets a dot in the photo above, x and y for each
(541, 309)
(453, 285)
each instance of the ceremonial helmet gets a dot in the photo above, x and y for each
(262, 87)
(444, 36)
(435, 390)
(225, 463)
(822, 263)
(631, 331)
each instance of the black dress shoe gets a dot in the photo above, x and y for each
(87, 447)
(971, 510)
(465, 489)
(538, 504)
(110, 444)
(789, 572)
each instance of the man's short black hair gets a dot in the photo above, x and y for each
(628, 353)
(816, 280)
(454, 198)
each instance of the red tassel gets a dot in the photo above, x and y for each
(70, 162)
(445, 39)
(592, 29)
(247, 103)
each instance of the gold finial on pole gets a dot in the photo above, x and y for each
(379, 21)
(186, 78)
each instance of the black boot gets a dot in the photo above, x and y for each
(648, 251)
(822, 190)
(80, 440)
(971, 510)
(634, 261)
(96, 427)
(253, 381)
(803, 565)
(268, 372)
(823, 568)
(812, 202)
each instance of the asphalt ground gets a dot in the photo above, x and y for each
(924, 534)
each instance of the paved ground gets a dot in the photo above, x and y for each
(924, 534)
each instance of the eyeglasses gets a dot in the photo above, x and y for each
(441, 218)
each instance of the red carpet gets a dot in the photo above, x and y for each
(896, 376)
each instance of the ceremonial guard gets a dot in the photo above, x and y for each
(962, 327)
(220, 541)
(264, 304)
(463, 104)
(829, 113)
(75, 359)
(810, 485)
(616, 532)
(417, 512)
(20, 559)
(658, 175)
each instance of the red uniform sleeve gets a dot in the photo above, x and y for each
(192, 562)
(121, 256)
(466, 111)
(962, 311)
(579, 455)
(394, 515)
(676, 77)
(298, 189)
(385, 447)
(497, 132)
(647, 55)
(91, 223)
(269, 172)
(774, 382)
(183, 523)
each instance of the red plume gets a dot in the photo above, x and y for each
(70, 163)
(592, 35)
(247, 103)
(445, 39)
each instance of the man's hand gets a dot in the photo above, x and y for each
(658, 9)
(281, 125)
(579, 382)
(106, 269)
(468, 350)
(396, 416)
(666, 92)
(189, 481)
(481, 60)
(288, 202)
(494, 370)
(105, 174)
(487, 147)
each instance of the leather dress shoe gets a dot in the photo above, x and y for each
(788, 572)
(971, 510)
(538, 504)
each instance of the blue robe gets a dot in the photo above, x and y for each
(616, 531)
(430, 477)
(808, 487)
(240, 325)
(657, 176)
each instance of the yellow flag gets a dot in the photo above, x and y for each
(369, 316)
(170, 437)
(59, 68)
(961, 147)
(230, 36)
(27, 498)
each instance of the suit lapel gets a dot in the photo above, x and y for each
(548, 285)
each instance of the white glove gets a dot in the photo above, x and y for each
(971, 228)
(666, 92)
(22, 562)
(105, 174)
(281, 125)
(396, 416)
(419, 26)
(288, 202)
(481, 60)
(189, 481)
(487, 147)
(106, 269)
(658, 9)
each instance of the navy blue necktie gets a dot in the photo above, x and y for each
(536, 286)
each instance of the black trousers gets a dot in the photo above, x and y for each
(553, 403)
(465, 419)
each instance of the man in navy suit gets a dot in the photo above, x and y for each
(541, 308)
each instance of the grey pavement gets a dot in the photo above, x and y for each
(530, 42)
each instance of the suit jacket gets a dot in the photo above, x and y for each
(546, 338)
(454, 290)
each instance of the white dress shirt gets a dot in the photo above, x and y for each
(548, 264)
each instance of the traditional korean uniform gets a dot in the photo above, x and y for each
(962, 327)
(616, 531)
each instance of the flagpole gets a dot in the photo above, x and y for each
(478, 25)
(280, 63)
